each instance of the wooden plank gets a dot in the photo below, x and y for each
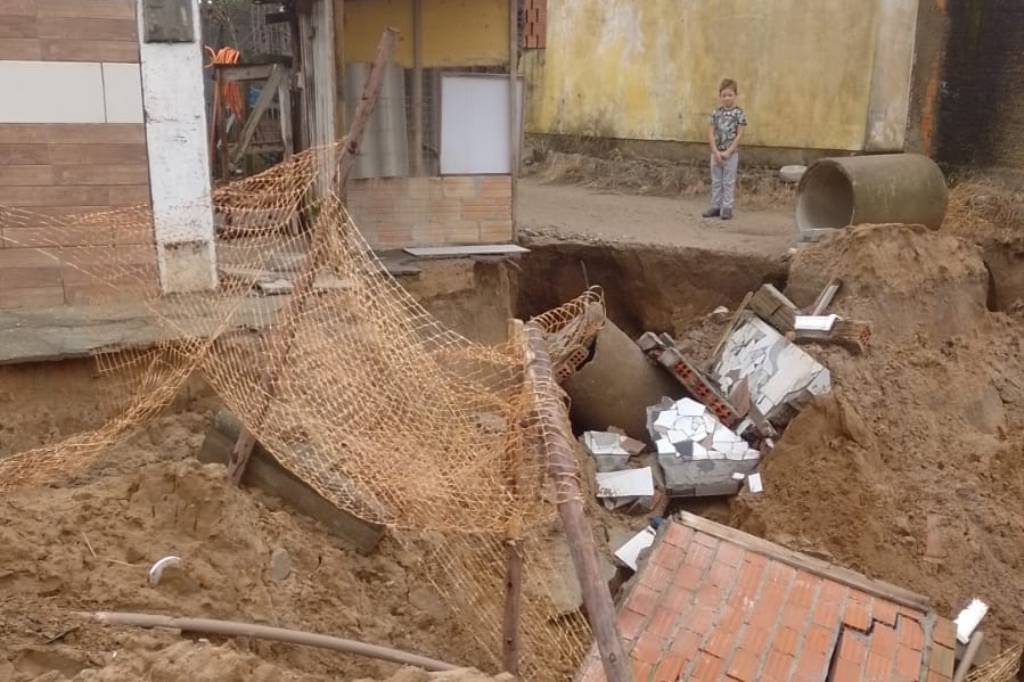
(25, 176)
(713, 358)
(548, 416)
(772, 306)
(97, 154)
(73, 28)
(270, 89)
(513, 601)
(94, 9)
(284, 100)
(474, 250)
(267, 474)
(101, 174)
(25, 154)
(27, 49)
(825, 298)
(810, 564)
(118, 51)
(244, 72)
(417, 88)
(72, 133)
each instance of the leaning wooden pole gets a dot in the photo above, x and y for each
(281, 343)
(548, 414)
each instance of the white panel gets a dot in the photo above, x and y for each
(475, 128)
(892, 69)
(51, 92)
(179, 171)
(122, 91)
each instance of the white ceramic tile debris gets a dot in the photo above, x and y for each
(626, 483)
(815, 323)
(781, 376)
(629, 553)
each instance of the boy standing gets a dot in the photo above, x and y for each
(724, 136)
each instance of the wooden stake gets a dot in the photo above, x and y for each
(281, 343)
(417, 87)
(549, 415)
(513, 598)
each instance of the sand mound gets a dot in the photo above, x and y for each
(88, 545)
(905, 279)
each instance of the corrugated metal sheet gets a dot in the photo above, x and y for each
(384, 152)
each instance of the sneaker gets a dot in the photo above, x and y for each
(726, 214)
(712, 213)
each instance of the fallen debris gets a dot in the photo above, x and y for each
(698, 454)
(968, 620)
(780, 377)
(629, 553)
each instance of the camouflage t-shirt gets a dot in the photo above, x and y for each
(726, 124)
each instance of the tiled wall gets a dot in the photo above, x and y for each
(72, 141)
(432, 211)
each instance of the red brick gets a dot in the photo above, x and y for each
(846, 670)
(748, 581)
(832, 591)
(786, 641)
(908, 663)
(656, 577)
(721, 642)
(818, 640)
(664, 622)
(827, 613)
(755, 638)
(885, 612)
(688, 576)
(780, 573)
(810, 667)
(913, 614)
(631, 623)
(670, 668)
(945, 633)
(794, 616)
(644, 600)
(878, 667)
(731, 555)
(706, 540)
(773, 595)
(755, 560)
(857, 616)
(677, 598)
(708, 668)
(648, 647)
(731, 618)
(942, 660)
(859, 596)
(883, 641)
(743, 666)
(764, 616)
(778, 665)
(698, 555)
(709, 595)
(641, 670)
(686, 644)
(936, 677)
(804, 589)
(667, 556)
(699, 619)
(852, 648)
(911, 635)
(721, 574)
(677, 534)
(594, 673)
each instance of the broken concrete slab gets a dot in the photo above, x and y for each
(698, 454)
(266, 473)
(781, 377)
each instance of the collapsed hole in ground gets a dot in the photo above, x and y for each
(646, 287)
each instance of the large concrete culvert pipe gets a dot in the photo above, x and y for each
(889, 188)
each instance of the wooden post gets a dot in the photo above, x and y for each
(513, 598)
(549, 414)
(281, 343)
(417, 87)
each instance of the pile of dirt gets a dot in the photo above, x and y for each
(912, 470)
(87, 543)
(903, 278)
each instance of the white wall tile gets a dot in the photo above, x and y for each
(51, 92)
(122, 92)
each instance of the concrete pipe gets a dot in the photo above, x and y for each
(888, 188)
(617, 385)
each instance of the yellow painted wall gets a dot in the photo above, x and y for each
(455, 32)
(649, 69)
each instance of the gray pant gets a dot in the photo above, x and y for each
(723, 181)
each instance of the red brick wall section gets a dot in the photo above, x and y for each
(395, 213)
(533, 24)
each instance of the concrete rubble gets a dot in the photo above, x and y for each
(779, 377)
(619, 485)
(697, 453)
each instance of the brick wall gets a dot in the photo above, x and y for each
(432, 211)
(981, 89)
(72, 143)
(533, 23)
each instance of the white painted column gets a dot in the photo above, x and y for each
(891, 72)
(179, 172)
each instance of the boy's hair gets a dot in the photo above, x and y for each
(728, 84)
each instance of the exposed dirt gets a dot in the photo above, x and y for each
(911, 471)
(88, 543)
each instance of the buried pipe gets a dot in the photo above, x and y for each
(235, 629)
(888, 188)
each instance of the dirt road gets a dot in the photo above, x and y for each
(569, 209)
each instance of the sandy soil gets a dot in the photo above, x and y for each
(570, 210)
